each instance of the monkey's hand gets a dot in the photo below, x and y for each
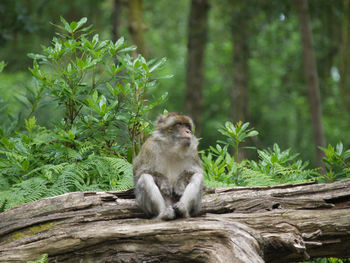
(181, 210)
(167, 214)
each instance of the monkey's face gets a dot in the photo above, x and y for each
(183, 133)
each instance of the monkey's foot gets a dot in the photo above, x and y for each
(181, 210)
(167, 214)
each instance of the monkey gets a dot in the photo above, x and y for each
(168, 173)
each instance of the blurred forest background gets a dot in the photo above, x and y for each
(231, 60)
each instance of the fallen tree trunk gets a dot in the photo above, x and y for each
(282, 223)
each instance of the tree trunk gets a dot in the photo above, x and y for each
(282, 223)
(344, 57)
(239, 92)
(310, 71)
(136, 26)
(117, 8)
(197, 39)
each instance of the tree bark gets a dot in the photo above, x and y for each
(282, 223)
(136, 26)
(310, 71)
(197, 39)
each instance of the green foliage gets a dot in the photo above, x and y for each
(236, 134)
(36, 164)
(219, 165)
(280, 166)
(337, 163)
(98, 86)
(273, 166)
(101, 92)
(42, 259)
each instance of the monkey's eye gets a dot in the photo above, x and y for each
(188, 126)
(180, 124)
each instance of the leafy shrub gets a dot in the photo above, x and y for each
(219, 165)
(273, 167)
(100, 92)
(337, 163)
(99, 87)
(236, 134)
(279, 167)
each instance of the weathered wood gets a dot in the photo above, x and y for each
(243, 224)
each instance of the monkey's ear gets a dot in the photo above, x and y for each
(160, 120)
(165, 120)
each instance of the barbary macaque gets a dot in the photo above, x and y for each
(168, 173)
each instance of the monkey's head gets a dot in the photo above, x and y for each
(178, 128)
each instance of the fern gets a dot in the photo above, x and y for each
(126, 182)
(3, 202)
(116, 171)
(42, 259)
(13, 155)
(86, 148)
(96, 173)
(26, 191)
(256, 178)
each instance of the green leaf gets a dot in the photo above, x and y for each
(169, 76)
(95, 40)
(112, 106)
(128, 49)
(102, 103)
(245, 126)
(66, 25)
(118, 44)
(145, 67)
(252, 133)
(30, 124)
(95, 96)
(157, 65)
(37, 56)
(230, 127)
(339, 148)
(80, 23)
(73, 26)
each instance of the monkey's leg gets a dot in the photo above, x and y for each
(190, 201)
(150, 199)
